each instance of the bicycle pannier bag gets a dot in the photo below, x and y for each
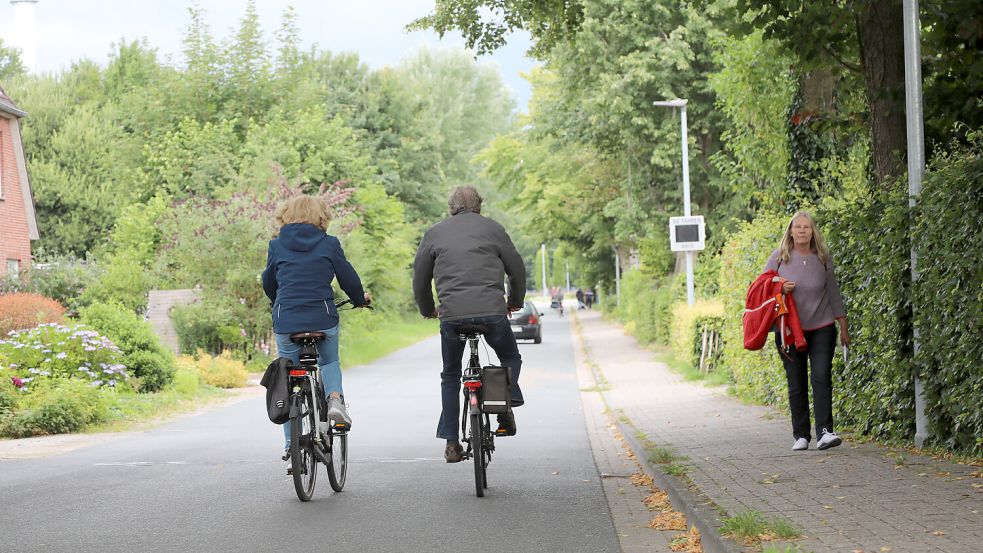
(277, 390)
(496, 389)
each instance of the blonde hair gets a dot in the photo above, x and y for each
(303, 209)
(818, 245)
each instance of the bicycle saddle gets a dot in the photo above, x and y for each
(299, 336)
(472, 329)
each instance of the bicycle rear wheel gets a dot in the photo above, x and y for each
(338, 467)
(477, 452)
(302, 460)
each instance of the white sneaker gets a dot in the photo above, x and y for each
(801, 444)
(338, 414)
(828, 440)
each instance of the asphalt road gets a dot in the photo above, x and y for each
(214, 482)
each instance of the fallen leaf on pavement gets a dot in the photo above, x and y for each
(937, 533)
(885, 549)
(657, 501)
(668, 520)
(555, 472)
(841, 497)
(640, 479)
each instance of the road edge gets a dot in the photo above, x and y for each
(699, 512)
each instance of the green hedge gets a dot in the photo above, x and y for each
(687, 328)
(949, 296)
(60, 405)
(757, 375)
(646, 304)
(868, 240)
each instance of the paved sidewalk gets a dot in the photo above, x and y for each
(851, 498)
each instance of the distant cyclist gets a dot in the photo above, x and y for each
(467, 256)
(300, 265)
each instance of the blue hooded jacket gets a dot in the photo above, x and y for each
(300, 265)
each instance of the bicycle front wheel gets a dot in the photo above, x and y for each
(302, 460)
(477, 453)
(338, 467)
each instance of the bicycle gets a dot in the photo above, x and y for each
(475, 423)
(312, 438)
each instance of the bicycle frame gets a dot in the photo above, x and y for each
(303, 381)
(471, 379)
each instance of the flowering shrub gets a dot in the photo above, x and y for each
(56, 406)
(55, 351)
(221, 371)
(23, 310)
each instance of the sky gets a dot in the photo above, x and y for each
(68, 30)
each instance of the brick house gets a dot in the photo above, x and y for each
(18, 223)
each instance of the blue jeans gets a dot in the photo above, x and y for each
(500, 338)
(327, 363)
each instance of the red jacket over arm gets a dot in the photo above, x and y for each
(767, 306)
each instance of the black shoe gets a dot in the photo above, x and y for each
(506, 424)
(286, 457)
(453, 453)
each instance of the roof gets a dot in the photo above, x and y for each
(8, 106)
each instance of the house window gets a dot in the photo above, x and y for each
(13, 269)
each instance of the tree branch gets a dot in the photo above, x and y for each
(841, 61)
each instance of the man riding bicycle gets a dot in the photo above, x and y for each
(300, 265)
(467, 256)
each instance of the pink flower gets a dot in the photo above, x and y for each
(17, 382)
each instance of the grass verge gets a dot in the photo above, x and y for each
(751, 528)
(366, 341)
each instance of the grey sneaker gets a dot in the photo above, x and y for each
(828, 440)
(801, 444)
(337, 414)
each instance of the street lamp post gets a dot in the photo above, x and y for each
(681, 104)
(916, 168)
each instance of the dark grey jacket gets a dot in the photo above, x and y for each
(468, 256)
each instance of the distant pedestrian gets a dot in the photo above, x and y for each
(805, 268)
(580, 299)
(589, 298)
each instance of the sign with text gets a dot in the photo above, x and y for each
(686, 234)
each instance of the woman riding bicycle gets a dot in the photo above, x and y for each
(300, 265)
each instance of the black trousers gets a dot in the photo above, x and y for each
(819, 356)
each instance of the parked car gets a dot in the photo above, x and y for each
(527, 324)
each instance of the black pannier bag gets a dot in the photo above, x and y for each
(496, 389)
(277, 389)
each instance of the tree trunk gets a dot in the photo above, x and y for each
(880, 28)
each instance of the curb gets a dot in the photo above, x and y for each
(697, 511)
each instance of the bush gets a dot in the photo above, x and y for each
(124, 281)
(222, 371)
(58, 406)
(8, 395)
(53, 351)
(142, 351)
(186, 379)
(687, 328)
(949, 296)
(868, 241)
(199, 327)
(62, 279)
(646, 303)
(22, 310)
(756, 375)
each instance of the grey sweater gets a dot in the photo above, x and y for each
(816, 294)
(467, 256)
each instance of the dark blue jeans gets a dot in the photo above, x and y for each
(500, 338)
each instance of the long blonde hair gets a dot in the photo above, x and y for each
(303, 209)
(818, 245)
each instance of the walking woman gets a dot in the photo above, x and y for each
(806, 270)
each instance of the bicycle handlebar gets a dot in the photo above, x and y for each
(338, 304)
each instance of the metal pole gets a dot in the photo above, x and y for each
(617, 278)
(543, 252)
(916, 168)
(690, 293)
(566, 267)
